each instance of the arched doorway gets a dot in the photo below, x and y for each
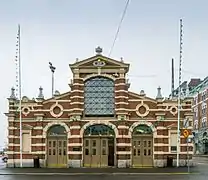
(99, 148)
(57, 146)
(142, 146)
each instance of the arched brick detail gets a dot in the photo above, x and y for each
(101, 75)
(46, 128)
(98, 122)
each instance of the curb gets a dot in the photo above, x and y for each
(96, 174)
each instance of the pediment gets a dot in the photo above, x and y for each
(135, 96)
(61, 97)
(108, 63)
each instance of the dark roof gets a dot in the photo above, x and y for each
(194, 82)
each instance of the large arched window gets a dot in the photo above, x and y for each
(99, 97)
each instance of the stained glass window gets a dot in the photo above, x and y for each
(99, 129)
(99, 97)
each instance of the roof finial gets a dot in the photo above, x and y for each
(12, 96)
(98, 50)
(159, 94)
(40, 95)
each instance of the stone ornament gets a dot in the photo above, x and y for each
(174, 110)
(25, 99)
(25, 110)
(56, 110)
(99, 63)
(142, 109)
(121, 117)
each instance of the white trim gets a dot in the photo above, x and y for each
(38, 127)
(74, 136)
(123, 144)
(161, 136)
(122, 127)
(123, 152)
(122, 90)
(75, 127)
(74, 144)
(77, 84)
(160, 144)
(123, 136)
(126, 103)
(38, 144)
(120, 84)
(72, 97)
(11, 161)
(35, 152)
(77, 90)
(124, 97)
(74, 152)
(76, 103)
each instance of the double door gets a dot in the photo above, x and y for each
(142, 151)
(57, 152)
(98, 152)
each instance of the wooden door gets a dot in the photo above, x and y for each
(96, 152)
(142, 151)
(137, 152)
(104, 152)
(57, 153)
(62, 153)
(52, 153)
(92, 152)
(147, 155)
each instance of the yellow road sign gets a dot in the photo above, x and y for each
(185, 133)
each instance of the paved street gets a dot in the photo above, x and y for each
(106, 177)
(198, 173)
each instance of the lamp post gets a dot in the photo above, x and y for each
(52, 68)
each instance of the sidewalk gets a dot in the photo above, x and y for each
(94, 171)
(200, 155)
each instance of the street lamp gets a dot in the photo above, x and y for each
(52, 68)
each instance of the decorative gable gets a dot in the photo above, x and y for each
(99, 61)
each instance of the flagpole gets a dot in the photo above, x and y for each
(179, 95)
(20, 96)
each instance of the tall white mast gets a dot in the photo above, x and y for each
(19, 88)
(179, 93)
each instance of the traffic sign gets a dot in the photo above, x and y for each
(185, 133)
(185, 122)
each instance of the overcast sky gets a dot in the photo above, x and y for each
(62, 30)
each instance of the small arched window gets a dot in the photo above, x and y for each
(99, 97)
(57, 130)
(99, 129)
(142, 129)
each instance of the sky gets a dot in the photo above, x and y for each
(62, 30)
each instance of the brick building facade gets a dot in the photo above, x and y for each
(200, 126)
(98, 123)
